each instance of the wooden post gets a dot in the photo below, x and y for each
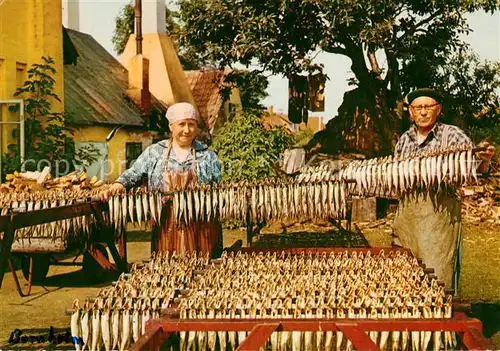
(8, 238)
(364, 210)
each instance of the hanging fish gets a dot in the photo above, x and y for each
(105, 332)
(196, 203)
(75, 324)
(96, 328)
(463, 167)
(85, 325)
(115, 324)
(145, 206)
(189, 203)
(152, 207)
(130, 206)
(138, 206)
(125, 336)
(208, 202)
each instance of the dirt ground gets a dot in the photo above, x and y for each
(45, 307)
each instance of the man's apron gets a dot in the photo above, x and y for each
(168, 235)
(430, 226)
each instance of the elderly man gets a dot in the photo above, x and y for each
(429, 224)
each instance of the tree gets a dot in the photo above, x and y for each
(252, 85)
(48, 134)
(124, 26)
(470, 88)
(414, 37)
(247, 150)
(303, 137)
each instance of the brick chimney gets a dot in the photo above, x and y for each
(138, 69)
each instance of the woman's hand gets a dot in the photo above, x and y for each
(116, 187)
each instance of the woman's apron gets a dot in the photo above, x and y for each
(430, 226)
(168, 235)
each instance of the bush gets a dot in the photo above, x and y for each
(247, 150)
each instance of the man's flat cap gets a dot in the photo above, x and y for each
(424, 92)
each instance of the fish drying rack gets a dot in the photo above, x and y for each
(10, 222)
(159, 331)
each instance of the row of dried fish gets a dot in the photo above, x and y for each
(265, 200)
(380, 279)
(321, 340)
(135, 205)
(256, 286)
(27, 202)
(118, 315)
(389, 176)
(111, 324)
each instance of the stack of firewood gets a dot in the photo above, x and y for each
(39, 181)
(481, 202)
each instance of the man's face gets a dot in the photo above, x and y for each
(424, 111)
(184, 132)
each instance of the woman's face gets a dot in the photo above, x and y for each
(184, 132)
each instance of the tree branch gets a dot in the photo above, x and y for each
(392, 76)
(415, 27)
(358, 65)
(333, 49)
(374, 64)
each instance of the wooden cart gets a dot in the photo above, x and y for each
(37, 253)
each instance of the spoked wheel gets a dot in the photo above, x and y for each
(91, 267)
(34, 268)
(40, 267)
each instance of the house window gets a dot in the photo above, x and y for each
(133, 150)
(20, 74)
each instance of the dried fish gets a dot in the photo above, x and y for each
(75, 328)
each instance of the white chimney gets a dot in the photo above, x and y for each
(71, 14)
(153, 16)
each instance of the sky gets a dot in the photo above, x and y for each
(97, 18)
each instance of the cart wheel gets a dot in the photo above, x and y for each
(41, 264)
(91, 268)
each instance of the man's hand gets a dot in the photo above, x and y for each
(485, 156)
(104, 194)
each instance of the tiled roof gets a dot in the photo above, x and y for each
(271, 120)
(205, 86)
(94, 89)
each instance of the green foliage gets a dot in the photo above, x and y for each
(284, 36)
(48, 135)
(413, 38)
(124, 26)
(303, 137)
(252, 85)
(470, 88)
(247, 150)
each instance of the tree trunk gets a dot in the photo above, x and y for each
(366, 123)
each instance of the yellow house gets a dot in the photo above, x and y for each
(28, 31)
(95, 94)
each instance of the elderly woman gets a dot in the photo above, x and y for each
(171, 165)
